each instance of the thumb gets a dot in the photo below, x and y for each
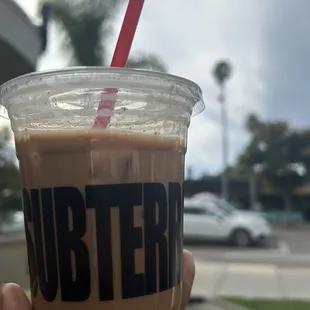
(13, 298)
(188, 277)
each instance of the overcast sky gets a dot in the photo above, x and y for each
(267, 42)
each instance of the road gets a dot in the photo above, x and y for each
(298, 242)
(290, 248)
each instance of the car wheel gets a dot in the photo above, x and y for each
(241, 238)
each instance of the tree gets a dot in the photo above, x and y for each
(221, 73)
(87, 26)
(305, 151)
(276, 152)
(10, 200)
(189, 173)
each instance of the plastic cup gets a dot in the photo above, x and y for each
(103, 207)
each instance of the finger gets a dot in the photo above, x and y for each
(188, 276)
(1, 285)
(13, 298)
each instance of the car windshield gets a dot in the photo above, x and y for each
(225, 206)
(206, 208)
(214, 208)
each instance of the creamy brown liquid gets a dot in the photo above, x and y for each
(77, 159)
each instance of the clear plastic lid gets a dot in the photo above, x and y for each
(70, 98)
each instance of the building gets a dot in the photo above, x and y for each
(20, 41)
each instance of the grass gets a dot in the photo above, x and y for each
(262, 304)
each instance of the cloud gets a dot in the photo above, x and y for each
(287, 47)
(191, 36)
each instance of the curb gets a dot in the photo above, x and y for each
(226, 305)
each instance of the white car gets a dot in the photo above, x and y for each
(223, 204)
(14, 224)
(206, 220)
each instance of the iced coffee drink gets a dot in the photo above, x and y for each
(103, 207)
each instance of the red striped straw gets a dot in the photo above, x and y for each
(120, 56)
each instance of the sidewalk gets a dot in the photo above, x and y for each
(251, 281)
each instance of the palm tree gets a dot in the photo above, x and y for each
(87, 25)
(222, 72)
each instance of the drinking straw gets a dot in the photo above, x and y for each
(120, 55)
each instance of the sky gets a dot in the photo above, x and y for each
(266, 41)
